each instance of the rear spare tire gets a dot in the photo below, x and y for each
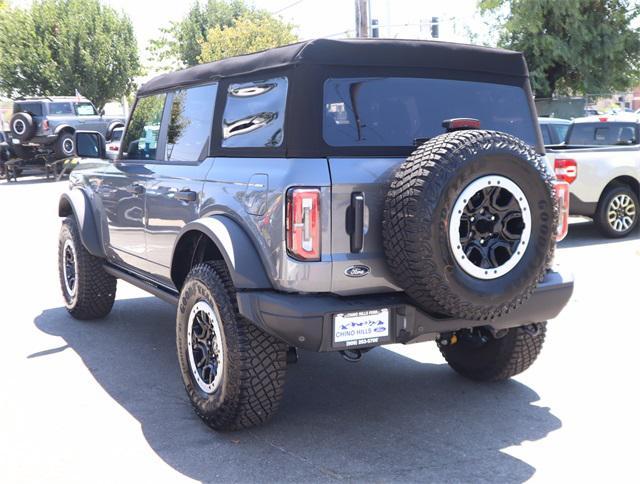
(468, 224)
(22, 126)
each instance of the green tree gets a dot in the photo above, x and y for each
(571, 46)
(249, 33)
(56, 47)
(181, 40)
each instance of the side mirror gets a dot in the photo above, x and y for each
(90, 144)
(102, 112)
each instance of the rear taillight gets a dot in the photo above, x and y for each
(45, 125)
(566, 170)
(562, 196)
(303, 223)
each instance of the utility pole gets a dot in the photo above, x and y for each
(362, 18)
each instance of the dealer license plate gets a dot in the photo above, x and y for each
(361, 328)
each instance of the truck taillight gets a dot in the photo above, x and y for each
(45, 125)
(566, 170)
(562, 196)
(303, 223)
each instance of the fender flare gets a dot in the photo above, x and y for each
(238, 251)
(63, 127)
(113, 125)
(75, 202)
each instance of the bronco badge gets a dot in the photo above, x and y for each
(357, 271)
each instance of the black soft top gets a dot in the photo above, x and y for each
(365, 53)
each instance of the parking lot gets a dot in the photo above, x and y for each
(103, 401)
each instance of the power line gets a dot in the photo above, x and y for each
(287, 7)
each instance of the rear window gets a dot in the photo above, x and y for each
(31, 108)
(398, 111)
(561, 131)
(603, 134)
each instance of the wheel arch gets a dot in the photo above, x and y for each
(113, 125)
(630, 181)
(218, 238)
(64, 128)
(75, 203)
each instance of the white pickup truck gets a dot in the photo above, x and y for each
(600, 159)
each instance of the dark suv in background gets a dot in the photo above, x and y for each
(45, 126)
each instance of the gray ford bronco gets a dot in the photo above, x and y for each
(45, 126)
(329, 196)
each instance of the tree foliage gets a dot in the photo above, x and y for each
(56, 47)
(571, 46)
(249, 33)
(181, 40)
(181, 44)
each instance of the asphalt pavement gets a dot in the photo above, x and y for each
(103, 401)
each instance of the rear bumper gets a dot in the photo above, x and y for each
(306, 321)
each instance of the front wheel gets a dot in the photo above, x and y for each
(88, 291)
(617, 213)
(232, 371)
(482, 356)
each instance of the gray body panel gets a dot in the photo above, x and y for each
(371, 177)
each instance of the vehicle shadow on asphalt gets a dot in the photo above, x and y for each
(582, 234)
(386, 418)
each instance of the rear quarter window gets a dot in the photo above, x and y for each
(397, 111)
(34, 109)
(254, 114)
(603, 134)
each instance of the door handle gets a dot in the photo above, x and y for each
(355, 222)
(135, 189)
(186, 195)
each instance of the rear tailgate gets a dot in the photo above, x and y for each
(350, 179)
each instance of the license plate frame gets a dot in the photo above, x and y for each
(361, 328)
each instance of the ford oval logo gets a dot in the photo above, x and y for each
(357, 271)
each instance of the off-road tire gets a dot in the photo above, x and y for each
(416, 219)
(26, 123)
(601, 217)
(95, 290)
(254, 362)
(499, 358)
(59, 147)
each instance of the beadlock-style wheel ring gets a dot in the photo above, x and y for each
(23, 127)
(621, 212)
(67, 146)
(70, 267)
(490, 227)
(204, 345)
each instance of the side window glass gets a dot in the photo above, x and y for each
(190, 125)
(85, 109)
(60, 108)
(141, 138)
(254, 114)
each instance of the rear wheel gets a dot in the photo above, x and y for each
(232, 371)
(88, 291)
(64, 146)
(479, 355)
(617, 214)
